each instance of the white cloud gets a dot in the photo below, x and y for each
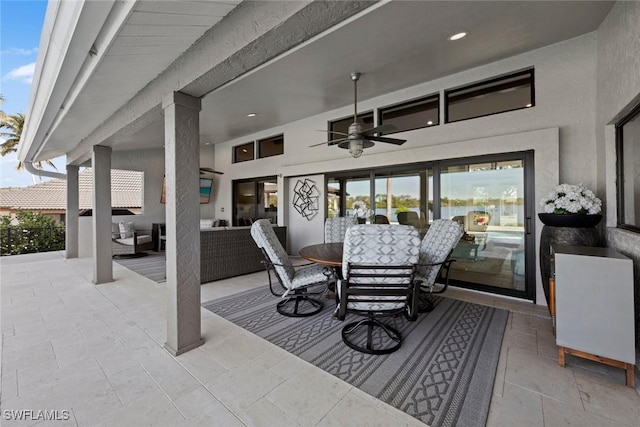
(19, 51)
(23, 73)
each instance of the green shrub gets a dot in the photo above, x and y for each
(34, 232)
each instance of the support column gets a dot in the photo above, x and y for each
(182, 175)
(73, 206)
(102, 252)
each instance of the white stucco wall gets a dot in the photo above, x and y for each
(618, 91)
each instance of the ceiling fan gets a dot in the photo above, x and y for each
(357, 139)
(209, 170)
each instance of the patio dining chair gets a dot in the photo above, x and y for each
(335, 228)
(296, 283)
(378, 267)
(435, 259)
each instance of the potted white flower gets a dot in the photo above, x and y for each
(570, 206)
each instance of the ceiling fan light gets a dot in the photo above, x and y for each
(355, 147)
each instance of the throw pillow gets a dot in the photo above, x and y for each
(126, 230)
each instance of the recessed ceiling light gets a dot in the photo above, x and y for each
(251, 115)
(528, 105)
(429, 123)
(207, 143)
(458, 36)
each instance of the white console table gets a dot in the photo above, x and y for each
(594, 306)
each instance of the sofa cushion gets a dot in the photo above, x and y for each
(206, 223)
(126, 230)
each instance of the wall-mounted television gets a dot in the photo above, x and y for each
(205, 189)
(206, 185)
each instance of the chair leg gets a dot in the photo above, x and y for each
(303, 306)
(426, 303)
(350, 334)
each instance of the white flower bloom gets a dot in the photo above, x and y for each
(568, 198)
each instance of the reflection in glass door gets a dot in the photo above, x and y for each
(488, 199)
(404, 197)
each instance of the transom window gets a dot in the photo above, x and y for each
(243, 153)
(416, 114)
(272, 146)
(341, 126)
(507, 93)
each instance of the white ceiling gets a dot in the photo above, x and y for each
(394, 45)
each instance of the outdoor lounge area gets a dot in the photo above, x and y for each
(97, 353)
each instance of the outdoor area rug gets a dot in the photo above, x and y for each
(442, 374)
(151, 266)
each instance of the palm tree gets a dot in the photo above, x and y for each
(14, 123)
(2, 115)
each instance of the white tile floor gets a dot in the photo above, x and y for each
(97, 352)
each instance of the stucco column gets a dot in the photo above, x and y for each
(71, 220)
(102, 252)
(182, 175)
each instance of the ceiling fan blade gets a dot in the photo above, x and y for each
(332, 131)
(209, 170)
(380, 129)
(332, 142)
(395, 141)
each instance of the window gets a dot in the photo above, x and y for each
(628, 162)
(243, 153)
(273, 146)
(342, 125)
(416, 114)
(499, 95)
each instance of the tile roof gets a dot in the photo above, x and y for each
(126, 192)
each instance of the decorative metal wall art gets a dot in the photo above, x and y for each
(305, 198)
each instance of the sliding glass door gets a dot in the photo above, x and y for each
(490, 196)
(489, 199)
(255, 199)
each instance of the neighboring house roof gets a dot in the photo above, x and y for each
(126, 192)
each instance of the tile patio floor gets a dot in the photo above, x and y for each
(97, 352)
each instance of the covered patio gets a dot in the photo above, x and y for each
(97, 352)
(173, 89)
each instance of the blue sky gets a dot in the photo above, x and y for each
(20, 28)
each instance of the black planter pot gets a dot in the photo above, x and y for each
(570, 220)
(574, 230)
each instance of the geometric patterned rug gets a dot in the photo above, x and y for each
(442, 374)
(152, 266)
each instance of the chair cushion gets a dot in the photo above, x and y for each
(126, 229)
(442, 237)
(308, 275)
(129, 240)
(335, 228)
(264, 236)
